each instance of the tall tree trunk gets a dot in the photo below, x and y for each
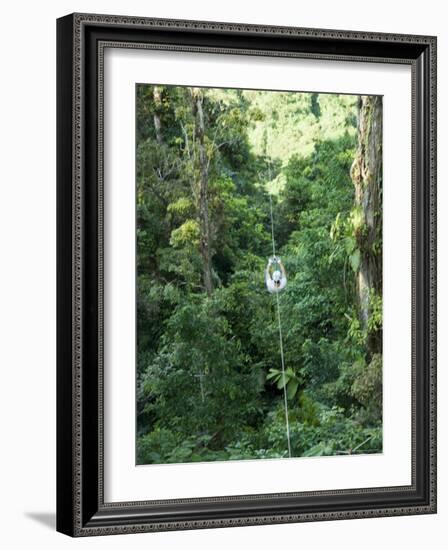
(157, 97)
(204, 218)
(367, 178)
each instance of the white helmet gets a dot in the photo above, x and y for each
(277, 276)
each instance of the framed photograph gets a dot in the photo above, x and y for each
(246, 274)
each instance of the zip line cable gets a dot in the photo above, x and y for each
(285, 397)
(272, 220)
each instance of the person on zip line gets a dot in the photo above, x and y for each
(275, 275)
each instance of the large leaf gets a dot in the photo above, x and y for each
(355, 260)
(291, 388)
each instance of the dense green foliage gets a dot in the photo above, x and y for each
(209, 382)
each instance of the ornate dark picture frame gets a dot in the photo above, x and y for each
(81, 509)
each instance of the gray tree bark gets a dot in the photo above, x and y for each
(204, 216)
(366, 173)
(157, 97)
